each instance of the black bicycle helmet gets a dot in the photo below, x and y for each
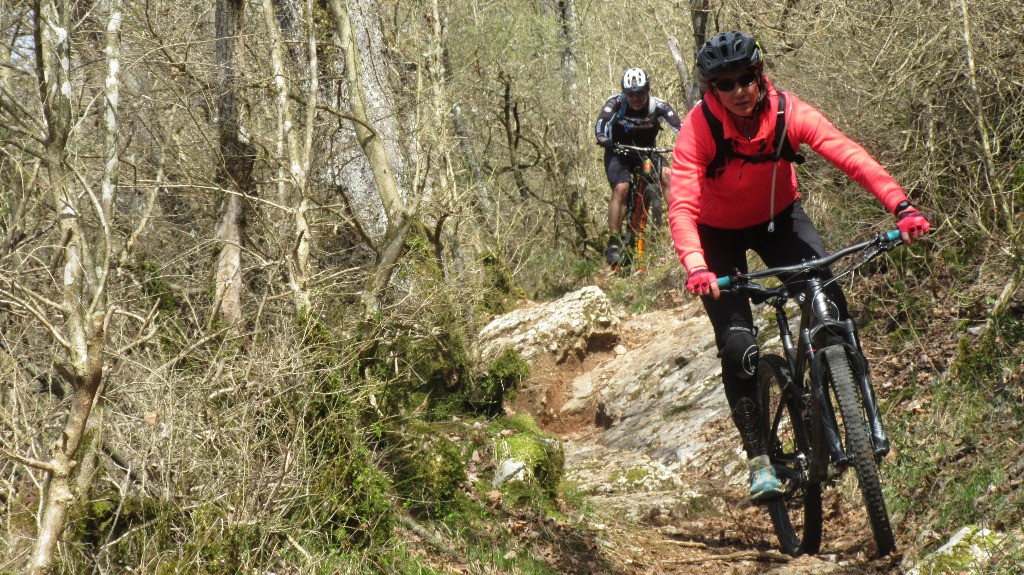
(635, 80)
(728, 52)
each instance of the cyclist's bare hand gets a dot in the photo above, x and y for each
(912, 224)
(703, 282)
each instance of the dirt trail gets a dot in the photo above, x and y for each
(656, 515)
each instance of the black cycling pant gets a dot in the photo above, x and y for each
(618, 166)
(794, 240)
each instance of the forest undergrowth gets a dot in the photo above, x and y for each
(247, 249)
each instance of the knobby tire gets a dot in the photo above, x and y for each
(790, 435)
(858, 445)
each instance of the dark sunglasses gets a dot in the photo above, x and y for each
(729, 84)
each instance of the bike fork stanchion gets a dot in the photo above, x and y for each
(640, 219)
(862, 377)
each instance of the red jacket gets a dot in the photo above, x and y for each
(740, 196)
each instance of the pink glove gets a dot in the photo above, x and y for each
(702, 282)
(912, 225)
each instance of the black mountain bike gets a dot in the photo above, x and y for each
(818, 403)
(643, 207)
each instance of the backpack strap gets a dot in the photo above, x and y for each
(723, 148)
(782, 145)
(620, 112)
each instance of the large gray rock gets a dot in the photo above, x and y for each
(659, 393)
(562, 328)
(664, 395)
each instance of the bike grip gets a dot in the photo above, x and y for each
(893, 235)
(724, 282)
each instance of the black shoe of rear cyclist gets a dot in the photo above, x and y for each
(614, 251)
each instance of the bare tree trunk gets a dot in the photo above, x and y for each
(568, 162)
(570, 27)
(480, 197)
(683, 68)
(389, 247)
(295, 194)
(235, 173)
(88, 258)
(700, 13)
(356, 178)
(510, 122)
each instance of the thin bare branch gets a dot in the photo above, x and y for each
(28, 461)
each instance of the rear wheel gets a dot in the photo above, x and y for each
(796, 515)
(858, 444)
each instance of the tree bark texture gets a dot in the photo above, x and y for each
(368, 94)
(568, 162)
(700, 13)
(683, 68)
(295, 149)
(235, 172)
(353, 170)
(570, 29)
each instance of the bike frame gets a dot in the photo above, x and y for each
(818, 320)
(636, 205)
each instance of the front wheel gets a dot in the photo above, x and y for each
(643, 219)
(858, 444)
(796, 515)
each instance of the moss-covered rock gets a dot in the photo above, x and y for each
(428, 468)
(497, 292)
(351, 498)
(525, 453)
(486, 393)
(970, 550)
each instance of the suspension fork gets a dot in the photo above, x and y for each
(818, 306)
(639, 219)
(785, 334)
(879, 436)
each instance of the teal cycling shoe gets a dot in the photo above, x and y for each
(764, 483)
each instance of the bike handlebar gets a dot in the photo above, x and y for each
(639, 149)
(883, 242)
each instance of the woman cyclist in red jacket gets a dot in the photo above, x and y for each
(736, 192)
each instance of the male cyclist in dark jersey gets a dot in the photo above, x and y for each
(632, 117)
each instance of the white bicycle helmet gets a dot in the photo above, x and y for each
(635, 80)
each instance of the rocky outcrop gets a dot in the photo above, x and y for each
(570, 326)
(662, 395)
(665, 398)
(659, 393)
